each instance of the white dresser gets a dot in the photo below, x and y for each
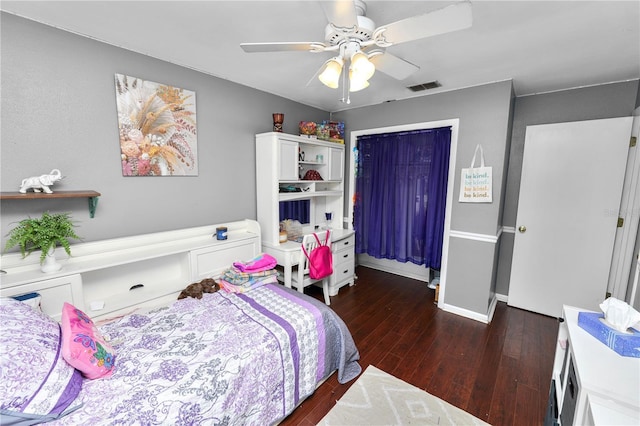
(591, 384)
(343, 251)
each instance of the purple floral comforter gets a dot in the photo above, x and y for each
(230, 359)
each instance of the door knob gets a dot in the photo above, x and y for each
(522, 229)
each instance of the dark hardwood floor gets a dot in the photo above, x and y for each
(499, 372)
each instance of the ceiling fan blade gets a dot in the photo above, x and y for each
(283, 47)
(451, 18)
(341, 13)
(314, 79)
(393, 66)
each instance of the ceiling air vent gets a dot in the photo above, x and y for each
(424, 86)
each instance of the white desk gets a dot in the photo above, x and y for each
(288, 254)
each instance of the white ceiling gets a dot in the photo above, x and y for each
(541, 45)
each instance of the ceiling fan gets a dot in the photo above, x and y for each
(360, 46)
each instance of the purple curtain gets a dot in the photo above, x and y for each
(401, 191)
(297, 210)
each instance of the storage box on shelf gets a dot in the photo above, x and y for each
(109, 277)
(591, 384)
(282, 161)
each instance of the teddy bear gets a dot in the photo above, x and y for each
(195, 290)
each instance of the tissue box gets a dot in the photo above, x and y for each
(625, 344)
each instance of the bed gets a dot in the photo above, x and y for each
(228, 358)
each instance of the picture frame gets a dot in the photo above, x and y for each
(157, 128)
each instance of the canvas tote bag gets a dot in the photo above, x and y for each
(476, 183)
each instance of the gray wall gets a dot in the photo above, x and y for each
(484, 119)
(58, 111)
(484, 113)
(590, 103)
(487, 117)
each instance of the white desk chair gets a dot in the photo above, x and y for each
(300, 278)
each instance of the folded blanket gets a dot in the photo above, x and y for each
(248, 286)
(234, 276)
(262, 262)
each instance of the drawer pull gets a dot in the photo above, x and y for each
(345, 271)
(345, 256)
(133, 287)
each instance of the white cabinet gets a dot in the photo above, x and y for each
(591, 384)
(211, 261)
(336, 164)
(111, 277)
(53, 292)
(288, 161)
(281, 162)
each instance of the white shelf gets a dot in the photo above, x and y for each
(108, 271)
(278, 165)
(293, 182)
(290, 196)
(111, 253)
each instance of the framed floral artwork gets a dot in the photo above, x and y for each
(157, 128)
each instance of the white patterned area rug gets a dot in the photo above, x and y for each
(378, 398)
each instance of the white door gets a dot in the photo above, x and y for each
(570, 192)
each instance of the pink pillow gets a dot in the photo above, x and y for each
(83, 346)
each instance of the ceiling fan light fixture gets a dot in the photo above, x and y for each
(356, 83)
(330, 75)
(361, 67)
(362, 45)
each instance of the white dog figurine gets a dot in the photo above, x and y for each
(41, 183)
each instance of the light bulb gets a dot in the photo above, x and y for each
(356, 83)
(361, 66)
(330, 76)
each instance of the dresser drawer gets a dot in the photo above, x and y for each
(343, 264)
(344, 244)
(346, 255)
(342, 273)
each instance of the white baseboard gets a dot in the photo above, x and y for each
(502, 297)
(486, 319)
(409, 270)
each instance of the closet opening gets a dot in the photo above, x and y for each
(402, 215)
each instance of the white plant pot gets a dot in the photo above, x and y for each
(50, 263)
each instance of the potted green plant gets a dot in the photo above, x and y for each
(43, 234)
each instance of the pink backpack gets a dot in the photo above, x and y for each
(320, 259)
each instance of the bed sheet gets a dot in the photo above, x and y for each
(232, 359)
